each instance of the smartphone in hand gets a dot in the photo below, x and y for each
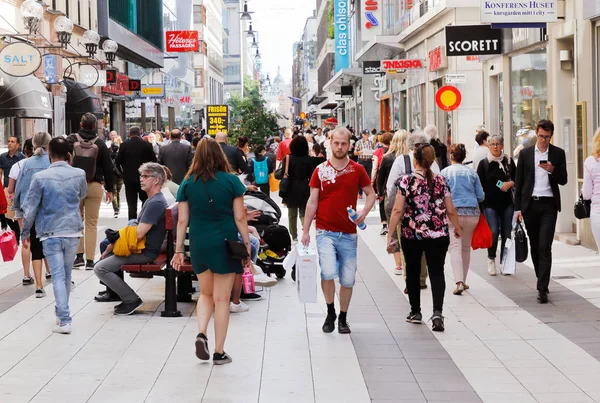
(543, 162)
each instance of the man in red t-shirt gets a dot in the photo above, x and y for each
(284, 147)
(333, 188)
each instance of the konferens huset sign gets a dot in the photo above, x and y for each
(518, 11)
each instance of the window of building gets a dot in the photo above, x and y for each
(199, 78)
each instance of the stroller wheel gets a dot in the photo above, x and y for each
(293, 273)
(281, 273)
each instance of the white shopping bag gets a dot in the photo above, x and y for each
(509, 263)
(306, 274)
(290, 259)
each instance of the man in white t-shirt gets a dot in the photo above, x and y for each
(482, 151)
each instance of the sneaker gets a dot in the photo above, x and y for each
(79, 262)
(437, 322)
(202, 351)
(415, 318)
(329, 325)
(423, 286)
(28, 280)
(89, 265)
(127, 308)
(398, 271)
(116, 214)
(343, 327)
(264, 281)
(40, 293)
(48, 276)
(250, 297)
(238, 308)
(62, 329)
(459, 289)
(466, 286)
(220, 359)
(384, 230)
(492, 267)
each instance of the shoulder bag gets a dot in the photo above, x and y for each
(235, 249)
(582, 208)
(283, 175)
(521, 248)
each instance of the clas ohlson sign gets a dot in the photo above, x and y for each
(340, 28)
(518, 11)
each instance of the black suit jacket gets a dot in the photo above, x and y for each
(237, 162)
(526, 175)
(132, 154)
(178, 158)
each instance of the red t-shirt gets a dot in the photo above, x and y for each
(379, 154)
(338, 190)
(284, 149)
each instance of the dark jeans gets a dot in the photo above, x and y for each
(133, 190)
(500, 223)
(540, 221)
(368, 165)
(382, 215)
(435, 254)
(265, 189)
(116, 203)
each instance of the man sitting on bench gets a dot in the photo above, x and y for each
(151, 225)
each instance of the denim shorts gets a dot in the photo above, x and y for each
(337, 256)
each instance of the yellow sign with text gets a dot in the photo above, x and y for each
(217, 119)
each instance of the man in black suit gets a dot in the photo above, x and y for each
(176, 156)
(132, 154)
(234, 156)
(540, 170)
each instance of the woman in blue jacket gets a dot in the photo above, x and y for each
(467, 193)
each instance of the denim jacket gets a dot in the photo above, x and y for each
(30, 167)
(464, 185)
(53, 201)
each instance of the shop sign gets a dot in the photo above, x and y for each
(340, 27)
(513, 11)
(372, 11)
(111, 76)
(217, 119)
(135, 85)
(472, 58)
(120, 87)
(177, 100)
(436, 59)
(448, 98)
(473, 40)
(401, 64)
(91, 76)
(50, 69)
(379, 87)
(372, 67)
(152, 91)
(456, 78)
(20, 59)
(182, 41)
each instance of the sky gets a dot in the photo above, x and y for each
(279, 23)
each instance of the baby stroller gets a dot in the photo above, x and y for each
(276, 241)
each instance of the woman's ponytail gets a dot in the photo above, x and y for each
(425, 156)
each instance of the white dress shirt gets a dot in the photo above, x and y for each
(541, 184)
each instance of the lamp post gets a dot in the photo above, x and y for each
(110, 48)
(250, 32)
(64, 30)
(91, 39)
(32, 13)
(245, 15)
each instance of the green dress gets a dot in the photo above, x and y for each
(209, 227)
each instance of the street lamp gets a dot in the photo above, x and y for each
(254, 43)
(91, 39)
(246, 14)
(32, 13)
(257, 55)
(64, 29)
(110, 48)
(250, 32)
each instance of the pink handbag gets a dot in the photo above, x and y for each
(8, 245)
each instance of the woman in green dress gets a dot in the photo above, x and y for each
(211, 202)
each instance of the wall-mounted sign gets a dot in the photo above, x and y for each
(473, 40)
(379, 87)
(340, 35)
(20, 59)
(135, 85)
(182, 41)
(119, 87)
(372, 12)
(152, 91)
(50, 69)
(448, 98)
(91, 76)
(217, 117)
(372, 67)
(401, 64)
(456, 78)
(511, 11)
(437, 59)
(111, 76)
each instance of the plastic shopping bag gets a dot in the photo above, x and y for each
(8, 245)
(290, 259)
(482, 237)
(273, 184)
(509, 263)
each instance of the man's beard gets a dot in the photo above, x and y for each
(340, 155)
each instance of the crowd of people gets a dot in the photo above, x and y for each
(430, 202)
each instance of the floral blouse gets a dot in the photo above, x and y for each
(424, 209)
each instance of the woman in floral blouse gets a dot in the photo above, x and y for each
(424, 204)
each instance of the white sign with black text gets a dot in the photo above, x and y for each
(515, 11)
(456, 78)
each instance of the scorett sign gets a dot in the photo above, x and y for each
(473, 40)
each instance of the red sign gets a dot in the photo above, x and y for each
(111, 76)
(435, 59)
(448, 98)
(135, 85)
(472, 58)
(402, 64)
(121, 87)
(182, 41)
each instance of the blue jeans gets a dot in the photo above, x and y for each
(337, 256)
(254, 246)
(60, 253)
(500, 223)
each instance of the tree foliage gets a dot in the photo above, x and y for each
(249, 117)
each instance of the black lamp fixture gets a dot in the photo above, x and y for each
(245, 15)
(64, 29)
(91, 39)
(110, 48)
(250, 32)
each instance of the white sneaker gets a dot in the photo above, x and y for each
(238, 308)
(398, 271)
(264, 281)
(64, 329)
(491, 267)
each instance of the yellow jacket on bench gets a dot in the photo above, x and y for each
(128, 242)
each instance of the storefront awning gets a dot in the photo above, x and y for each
(337, 80)
(81, 100)
(24, 97)
(316, 99)
(381, 48)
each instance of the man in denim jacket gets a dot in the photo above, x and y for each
(52, 204)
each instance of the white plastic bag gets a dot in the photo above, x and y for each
(509, 263)
(290, 259)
